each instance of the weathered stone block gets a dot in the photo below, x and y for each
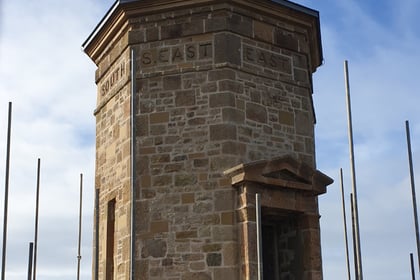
(233, 115)
(209, 87)
(222, 100)
(256, 112)
(286, 40)
(147, 193)
(196, 276)
(219, 163)
(286, 118)
(152, 34)
(227, 218)
(188, 198)
(300, 76)
(230, 254)
(197, 266)
(303, 123)
(159, 181)
(224, 200)
(154, 248)
(300, 60)
(158, 129)
(203, 207)
(182, 180)
(185, 98)
(172, 82)
(186, 234)
(167, 262)
(161, 117)
(226, 273)
(159, 226)
(216, 24)
(212, 247)
(160, 158)
(227, 48)
(263, 31)
(240, 24)
(234, 148)
(222, 132)
(192, 257)
(136, 36)
(171, 31)
(231, 86)
(201, 163)
(224, 233)
(221, 74)
(197, 121)
(142, 125)
(214, 259)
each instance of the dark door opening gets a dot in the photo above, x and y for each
(282, 254)
(110, 239)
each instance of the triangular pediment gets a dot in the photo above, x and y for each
(287, 175)
(281, 172)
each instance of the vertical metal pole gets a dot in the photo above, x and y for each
(133, 167)
(413, 190)
(6, 194)
(96, 263)
(353, 175)
(356, 276)
(79, 257)
(345, 224)
(36, 217)
(413, 273)
(259, 235)
(31, 254)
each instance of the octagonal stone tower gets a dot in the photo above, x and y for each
(201, 105)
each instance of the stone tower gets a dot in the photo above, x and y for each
(202, 104)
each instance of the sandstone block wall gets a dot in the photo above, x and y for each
(217, 84)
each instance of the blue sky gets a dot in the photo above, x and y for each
(51, 83)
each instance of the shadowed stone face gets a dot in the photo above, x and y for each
(154, 248)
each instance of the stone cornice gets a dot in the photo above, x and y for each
(116, 21)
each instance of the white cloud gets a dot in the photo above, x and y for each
(51, 84)
(383, 58)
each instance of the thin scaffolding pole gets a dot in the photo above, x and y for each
(356, 276)
(31, 254)
(259, 239)
(413, 190)
(96, 263)
(345, 224)
(6, 194)
(79, 257)
(413, 273)
(36, 217)
(353, 176)
(133, 161)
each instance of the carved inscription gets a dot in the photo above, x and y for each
(116, 75)
(176, 54)
(266, 59)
